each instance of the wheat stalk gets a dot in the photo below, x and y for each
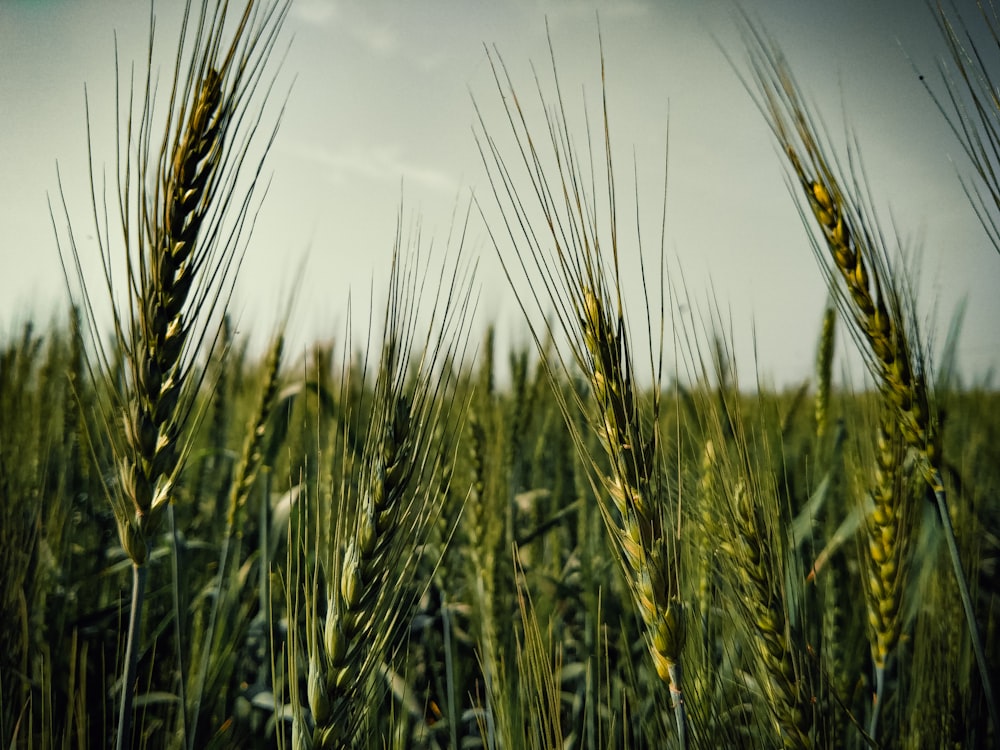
(890, 539)
(179, 257)
(755, 554)
(580, 274)
(383, 503)
(858, 271)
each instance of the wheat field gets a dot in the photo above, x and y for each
(411, 537)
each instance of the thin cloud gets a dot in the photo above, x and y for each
(572, 9)
(315, 12)
(379, 163)
(378, 38)
(432, 61)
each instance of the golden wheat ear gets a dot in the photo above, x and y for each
(878, 306)
(577, 261)
(183, 229)
(368, 530)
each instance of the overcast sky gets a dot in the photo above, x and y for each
(382, 108)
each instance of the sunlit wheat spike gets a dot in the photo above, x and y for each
(785, 687)
(854, 257)
(868, 293)
(574, 251)
(182, 233)
(181, 237)
(388, 495)
(890, 538)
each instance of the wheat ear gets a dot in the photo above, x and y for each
(383, 504)
(173, 198)
(636, 521)
(856, 264)
(577, 258)
(754, 555)
(890, 539)
(824, 371)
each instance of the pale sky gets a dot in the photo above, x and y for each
(381, 107)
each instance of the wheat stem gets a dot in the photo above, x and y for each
(139, 573)
(963, 591)
(580, 271)
(867, 292)
(177, 549)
